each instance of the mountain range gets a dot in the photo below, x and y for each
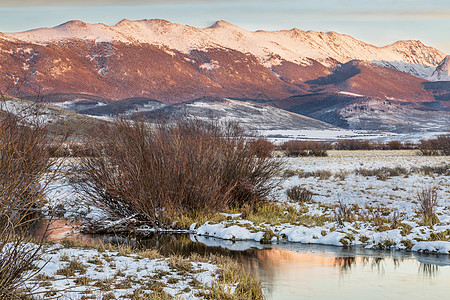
(328, 76)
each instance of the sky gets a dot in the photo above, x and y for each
(379, 22)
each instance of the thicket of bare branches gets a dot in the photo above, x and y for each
(187, 168)
(262, 147)
(354, 145)
(437, 146)
(25, 166)
(306, 148)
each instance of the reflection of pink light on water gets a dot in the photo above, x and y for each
(58, 229)
(285, 258)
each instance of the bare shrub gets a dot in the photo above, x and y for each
(428, 202)
(437, 146)
(318, 148)
(18, 253)
(395, 220)
(296, 148)
(261, 147)
(25, 172)
(343, 213)
(394, 145)
(354, 145)
(158, 174)
(299, 194)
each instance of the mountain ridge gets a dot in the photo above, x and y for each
(292, 45)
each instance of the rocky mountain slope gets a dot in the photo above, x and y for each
(353, 111)
(252, 116)
(294, 45)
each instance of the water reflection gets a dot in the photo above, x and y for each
(57, 230)
(428, 270)
(294, 275)
(296, 271)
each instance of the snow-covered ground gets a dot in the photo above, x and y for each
(70, 273)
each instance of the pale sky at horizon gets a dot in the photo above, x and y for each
(379, 22)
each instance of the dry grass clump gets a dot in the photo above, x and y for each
(343, 213)
(296, 148)
(383, 173)
(428, 202)
(299, 194)
(230, 273)
(321, 174)
(179, 263)
(158, 174)
(73, 267)
(431, 170)
(437, 146)
(25, 166)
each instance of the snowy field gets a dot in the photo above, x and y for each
(281, 136)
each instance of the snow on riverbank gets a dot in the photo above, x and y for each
(391, 199)
(366, 235)
(69, 273)
(433, 247)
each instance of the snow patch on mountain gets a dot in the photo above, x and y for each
(442, 72)
(418, 70)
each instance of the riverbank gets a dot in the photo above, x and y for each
(70, 270)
